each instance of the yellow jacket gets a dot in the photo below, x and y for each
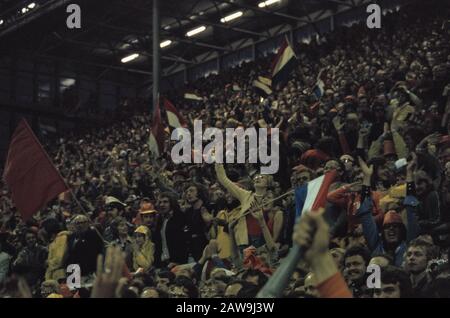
(245, 197)
(57, 252)
(400, 115)
(376, 148)
(223, 238)
(145, 257)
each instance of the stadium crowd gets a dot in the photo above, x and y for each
(166, 230)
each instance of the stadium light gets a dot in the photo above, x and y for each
(232, 16)
(24, 10)
(267, 3)
(130, 58)
(165, 43)
(32, 5)
(1, 22)
(196, 31)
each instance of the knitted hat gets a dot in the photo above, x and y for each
(314, 154)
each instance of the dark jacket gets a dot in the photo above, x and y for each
(83, 249)
(429, 211)
(176, 238)
(31, 262)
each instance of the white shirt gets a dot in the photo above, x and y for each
(165, 250)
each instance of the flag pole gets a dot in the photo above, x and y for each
(264, 204)
(85, 213)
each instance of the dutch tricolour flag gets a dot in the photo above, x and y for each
(313, 195)
(283, 64)
(173, 116)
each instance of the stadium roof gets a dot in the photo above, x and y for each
(114, 29)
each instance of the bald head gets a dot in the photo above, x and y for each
(310, 285)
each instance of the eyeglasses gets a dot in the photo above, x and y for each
(345, 160)
(80, 222)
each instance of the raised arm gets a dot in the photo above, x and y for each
(410, 202)
(364, 213)
(312, 234)
(235, 190)
(339, 126)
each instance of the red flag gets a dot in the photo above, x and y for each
(29, 173)
(174, 117)
(156, 142)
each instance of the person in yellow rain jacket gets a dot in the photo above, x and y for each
(143, 249)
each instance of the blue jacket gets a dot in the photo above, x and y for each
(374, 238)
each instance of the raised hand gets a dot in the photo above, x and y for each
(312, 234)
(367, 170)
(338, 124)
(411, 167)
(412, 164)
(108, 273)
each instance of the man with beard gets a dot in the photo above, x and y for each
(169, 237)
(395, 235)
(417, 257)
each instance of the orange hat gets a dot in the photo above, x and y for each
(392, 217)
(388, 148)
(147, 208)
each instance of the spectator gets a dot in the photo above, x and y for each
(143, 249)
(395, 283)
(31, 260)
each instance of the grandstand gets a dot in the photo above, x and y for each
(94, 96)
